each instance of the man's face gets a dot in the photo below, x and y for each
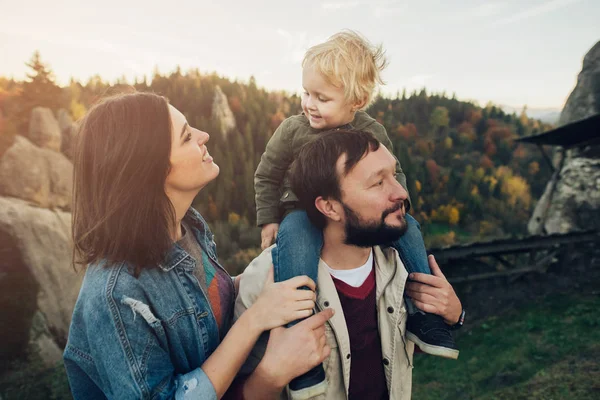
(373, 200)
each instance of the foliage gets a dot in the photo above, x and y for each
(464, 170)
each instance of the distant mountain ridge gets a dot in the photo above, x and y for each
(549, 115)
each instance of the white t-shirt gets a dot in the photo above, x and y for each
(354, 277)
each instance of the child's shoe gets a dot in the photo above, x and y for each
(431, 334)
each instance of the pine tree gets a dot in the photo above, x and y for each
(39, 89)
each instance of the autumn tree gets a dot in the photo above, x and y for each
(439, 119)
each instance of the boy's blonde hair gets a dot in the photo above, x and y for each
(349, 60)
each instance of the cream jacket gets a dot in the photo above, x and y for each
(397, 351)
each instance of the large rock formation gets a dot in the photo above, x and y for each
(44, 130)
(41, 176)
(584, 100)
(38, 286)
(221, 113)
(67, 130)
(571, 200)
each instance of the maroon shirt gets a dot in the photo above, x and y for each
(367, 376)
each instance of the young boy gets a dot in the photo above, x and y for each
(339, 78)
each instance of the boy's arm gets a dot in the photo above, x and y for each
(381, 134)
(270, 173)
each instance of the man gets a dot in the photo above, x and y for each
(346, 182)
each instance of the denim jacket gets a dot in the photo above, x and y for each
(144, 337)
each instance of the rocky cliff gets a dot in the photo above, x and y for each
(571, 200)
(38, 286)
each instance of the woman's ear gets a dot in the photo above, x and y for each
(329, 208)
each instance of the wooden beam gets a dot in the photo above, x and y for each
(516, 245)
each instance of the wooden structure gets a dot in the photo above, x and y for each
(501, 257)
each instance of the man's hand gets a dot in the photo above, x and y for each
(268, 234)
(434, 294)
(290, 353)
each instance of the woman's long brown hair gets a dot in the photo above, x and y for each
(121, 160)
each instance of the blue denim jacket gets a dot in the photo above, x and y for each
(144, 337)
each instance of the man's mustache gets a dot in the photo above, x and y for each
(391, 210)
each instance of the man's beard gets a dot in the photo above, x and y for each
(369, 234)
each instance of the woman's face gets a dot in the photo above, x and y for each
(192, 167)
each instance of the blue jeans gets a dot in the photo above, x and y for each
(299, 245)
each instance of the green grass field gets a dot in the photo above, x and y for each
(546, 350)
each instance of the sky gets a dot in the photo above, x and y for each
(510, 52)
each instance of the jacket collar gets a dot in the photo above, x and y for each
(177, 256)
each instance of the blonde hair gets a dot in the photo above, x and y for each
(349, 60)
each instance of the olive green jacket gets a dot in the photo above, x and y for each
(271, 179)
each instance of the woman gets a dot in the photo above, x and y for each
(153, 314)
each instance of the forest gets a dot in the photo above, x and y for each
(468, 178)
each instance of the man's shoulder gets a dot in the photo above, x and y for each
(254, 276)
(386, 254)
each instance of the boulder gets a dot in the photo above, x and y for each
(575, 203)
(584, 100)
(38, 286)
(67, 130)
(41, 176)
(44, 130)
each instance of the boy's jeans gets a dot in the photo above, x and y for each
(299, 245)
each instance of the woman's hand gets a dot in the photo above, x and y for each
(294, 351)
(434, 294)
(283, 302)
(268, 234)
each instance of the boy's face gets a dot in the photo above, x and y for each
(323, 103)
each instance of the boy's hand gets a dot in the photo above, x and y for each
(268, 235)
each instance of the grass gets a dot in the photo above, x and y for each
(30, 380)
(546, 350)
(549, 349)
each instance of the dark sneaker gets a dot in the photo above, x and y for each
(431, 334)
(309, 385)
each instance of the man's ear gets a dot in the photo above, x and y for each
(329, 208)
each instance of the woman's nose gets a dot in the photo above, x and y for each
(203, 137)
